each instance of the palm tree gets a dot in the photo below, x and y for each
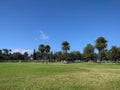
(100, 45)
(65, 46)
(44, 50)
(47, 48)
(34, 55)
(41, 48)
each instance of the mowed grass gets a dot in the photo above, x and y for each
(58, 76)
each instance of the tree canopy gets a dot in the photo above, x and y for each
(88, 52)
(65, 46)
(100, 45)
(44, 53)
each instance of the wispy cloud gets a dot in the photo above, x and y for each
(43, 36)
(22, 50)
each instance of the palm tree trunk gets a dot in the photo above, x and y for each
(100, 56)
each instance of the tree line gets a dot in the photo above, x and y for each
(44, 53)
(6, 54)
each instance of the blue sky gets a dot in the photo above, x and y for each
(24, 24)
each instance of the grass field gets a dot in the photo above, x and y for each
(57, 76)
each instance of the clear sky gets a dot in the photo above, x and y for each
(24, 24)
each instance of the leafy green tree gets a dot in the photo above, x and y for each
(34, 55)
(89, 52)
(47, 48)
(71, 56)
(104, 54)
(17, 56)
(44, 50)
(65, 56)
(118, 54)
(38, 56)
(41, 48)
(75, 55)
(25, 56)
(1, 56)
(0, 51)
(65, 46)
(6, 53)
(113, 53)
(100, 45)
(58, 56)
(51, 57)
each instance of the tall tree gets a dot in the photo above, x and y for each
(104, 54)
(34, 55)
(6, 53)
(100, 45)
(47, 48)
(41, 48)
(88, 52)
(113, 53)
(65, 46)
(25, 56)
(44, 50)
(1, 56)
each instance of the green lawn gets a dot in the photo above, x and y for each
(58, 76)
